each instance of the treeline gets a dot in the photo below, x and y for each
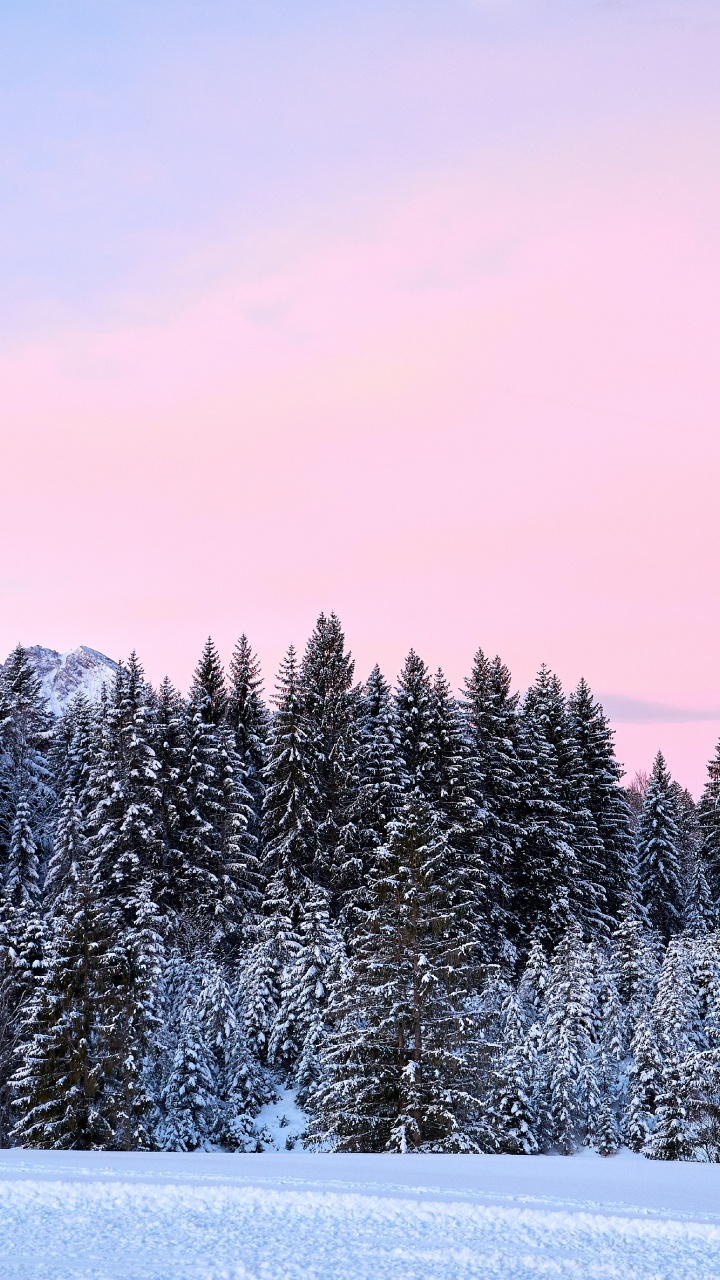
(443, 921)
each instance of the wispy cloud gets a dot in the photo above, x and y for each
(636, 711)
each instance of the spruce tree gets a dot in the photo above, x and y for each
(709, 822)
(491, 714)
(545, 703)
(379, 787)
(250, 722)
(220, 848)
(515, 1120)
(546, 875)
(567, 1044)
(659, 858)
(414, 713)
(330, 709)
(399, 1062)
(26, 726)
(607, 801)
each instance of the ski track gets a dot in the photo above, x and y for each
(73, 1230)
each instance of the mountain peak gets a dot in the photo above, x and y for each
(63, 675)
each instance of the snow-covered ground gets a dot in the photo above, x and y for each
(348, 1217)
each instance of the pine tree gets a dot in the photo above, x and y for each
(709, 822)
(22, 875)
(190, 1094)
(491, 713)
(546, 704)
(330, 708)
(399, 1066)
(68, 857)
(173, 886)
(291, 797)
(515, 1118)
(378, 790)
(546, 869)
(316, 970)
(249, 720)
(414, 713)
(220, 849)
(677, 1015)
(25, 739)
(568, 1043)
(607, 801)
(454, 796)
(659, 858)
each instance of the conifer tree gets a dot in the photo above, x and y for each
(546, 704)
(68, 856)
(330, 710)
(173, 887)
(515, 1113)
(659, 858)
(491, 713)
(709, 823)
(607, 802)
(414, 712)
(568, 1043)
(249, 720)
(25, 739)
(399, 1066)
(546, 870)
(379, 788)
(221, 850)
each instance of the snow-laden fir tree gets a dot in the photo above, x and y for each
(515, 1120)
(379, 787)
(25, 740)
(330, 708)
(316, 973)
(220, 848)
(491, 714)
(659, 858)
(399, 1064)
(567, 1044)
(546, 879)
(545, 703)
(249, 720)
(677, 1016)
(601, 774)
(709, 822)
(414, 714)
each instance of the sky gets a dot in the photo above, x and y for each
(405, 310)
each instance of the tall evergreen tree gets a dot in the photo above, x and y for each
(491, 713)
(546, 875)
(379, 787)
(250, 722)
(330, 709)
(399, 1065)
(607, 801)
(221, 849)
(709, 822)
(546, 704)
(659, 858)
(25, 740)
(415, 713)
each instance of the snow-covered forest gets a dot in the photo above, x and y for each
(442, 922)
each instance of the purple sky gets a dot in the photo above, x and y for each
(405, 310)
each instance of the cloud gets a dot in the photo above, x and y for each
(626, 710)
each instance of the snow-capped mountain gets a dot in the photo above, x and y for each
(82, 670)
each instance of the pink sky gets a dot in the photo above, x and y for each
(477, 405)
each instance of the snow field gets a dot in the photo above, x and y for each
(324, 1217)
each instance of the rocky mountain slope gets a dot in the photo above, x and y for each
(82, 670)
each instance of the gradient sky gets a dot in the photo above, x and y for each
(409, 310)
